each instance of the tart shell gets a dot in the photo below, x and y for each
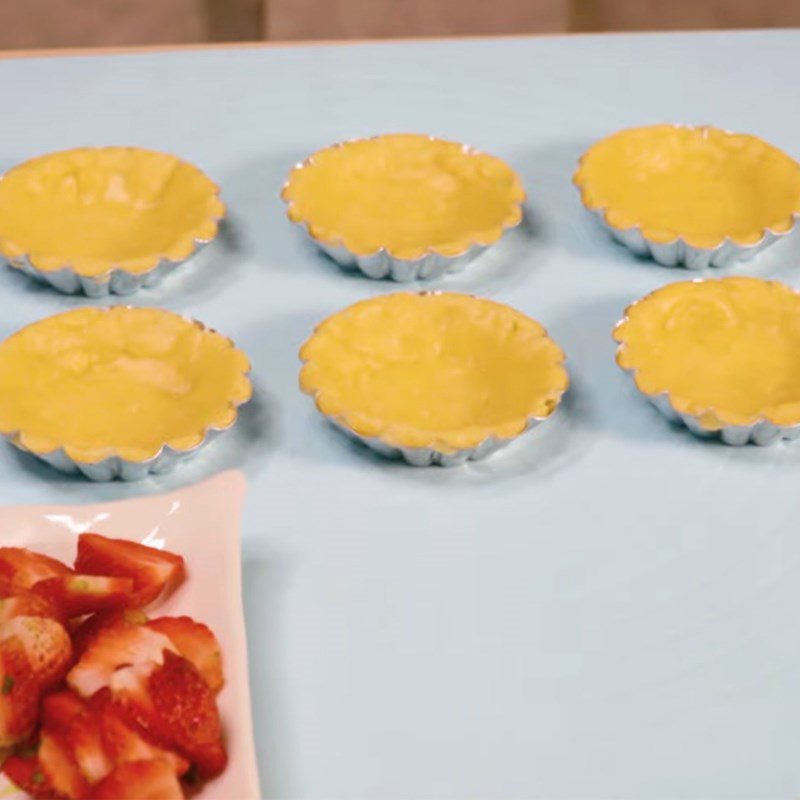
(113, 463)
(678, 253)
(386, 261)
(432, 456)
(423, 445)
(671, 247)
(102, 276)
(731, 428)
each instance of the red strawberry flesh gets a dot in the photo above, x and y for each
(26, 773)
(117, 646)
(139, 780)
(19, 693)
(123, 743)
(70, 719)
(174, 705)
(196, 642)
(92, 626)
(21, 569)
(153, 571)
(46, 644)
(78, 595)
(59, 767)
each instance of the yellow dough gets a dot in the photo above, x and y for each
(119, 381)
(97, 209)
(433, 370)
(702, 184)
(407, 193)
(726, 351)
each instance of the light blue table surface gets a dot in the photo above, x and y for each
(606, 610)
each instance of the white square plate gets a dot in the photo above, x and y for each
(200, 523)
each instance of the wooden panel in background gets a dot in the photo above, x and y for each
(103, 23)
(88, 23)
(234, 20)
(633, 15)
(347, 19)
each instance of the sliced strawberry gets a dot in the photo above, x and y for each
(26, 773)
(139, 780)
(29, 604)
(84, 594)
(174, 705)
(20, 569)
(59, 767)
(91, 627)
(19, 693)
(118, 645)
(196, 642)
(72, 722)
(46, 644)
(123, 743)
(152, 570)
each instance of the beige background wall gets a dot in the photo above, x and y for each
(71, 23)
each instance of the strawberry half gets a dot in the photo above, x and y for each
(72, 722)
(19, 693)
(175, 707)
(46, 644)
(139, 780)
(29, 604)
(26, 773)
(90, 628)
(119, 645)
(124, 744)
(77, 595)
(20, 569)
(59, 767)
(152, 571)
(195, 642)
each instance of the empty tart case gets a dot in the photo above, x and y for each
(689, 196)
(404, 206)
(105, 220)
(433, 378)
(718, 356)
(135, 390)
